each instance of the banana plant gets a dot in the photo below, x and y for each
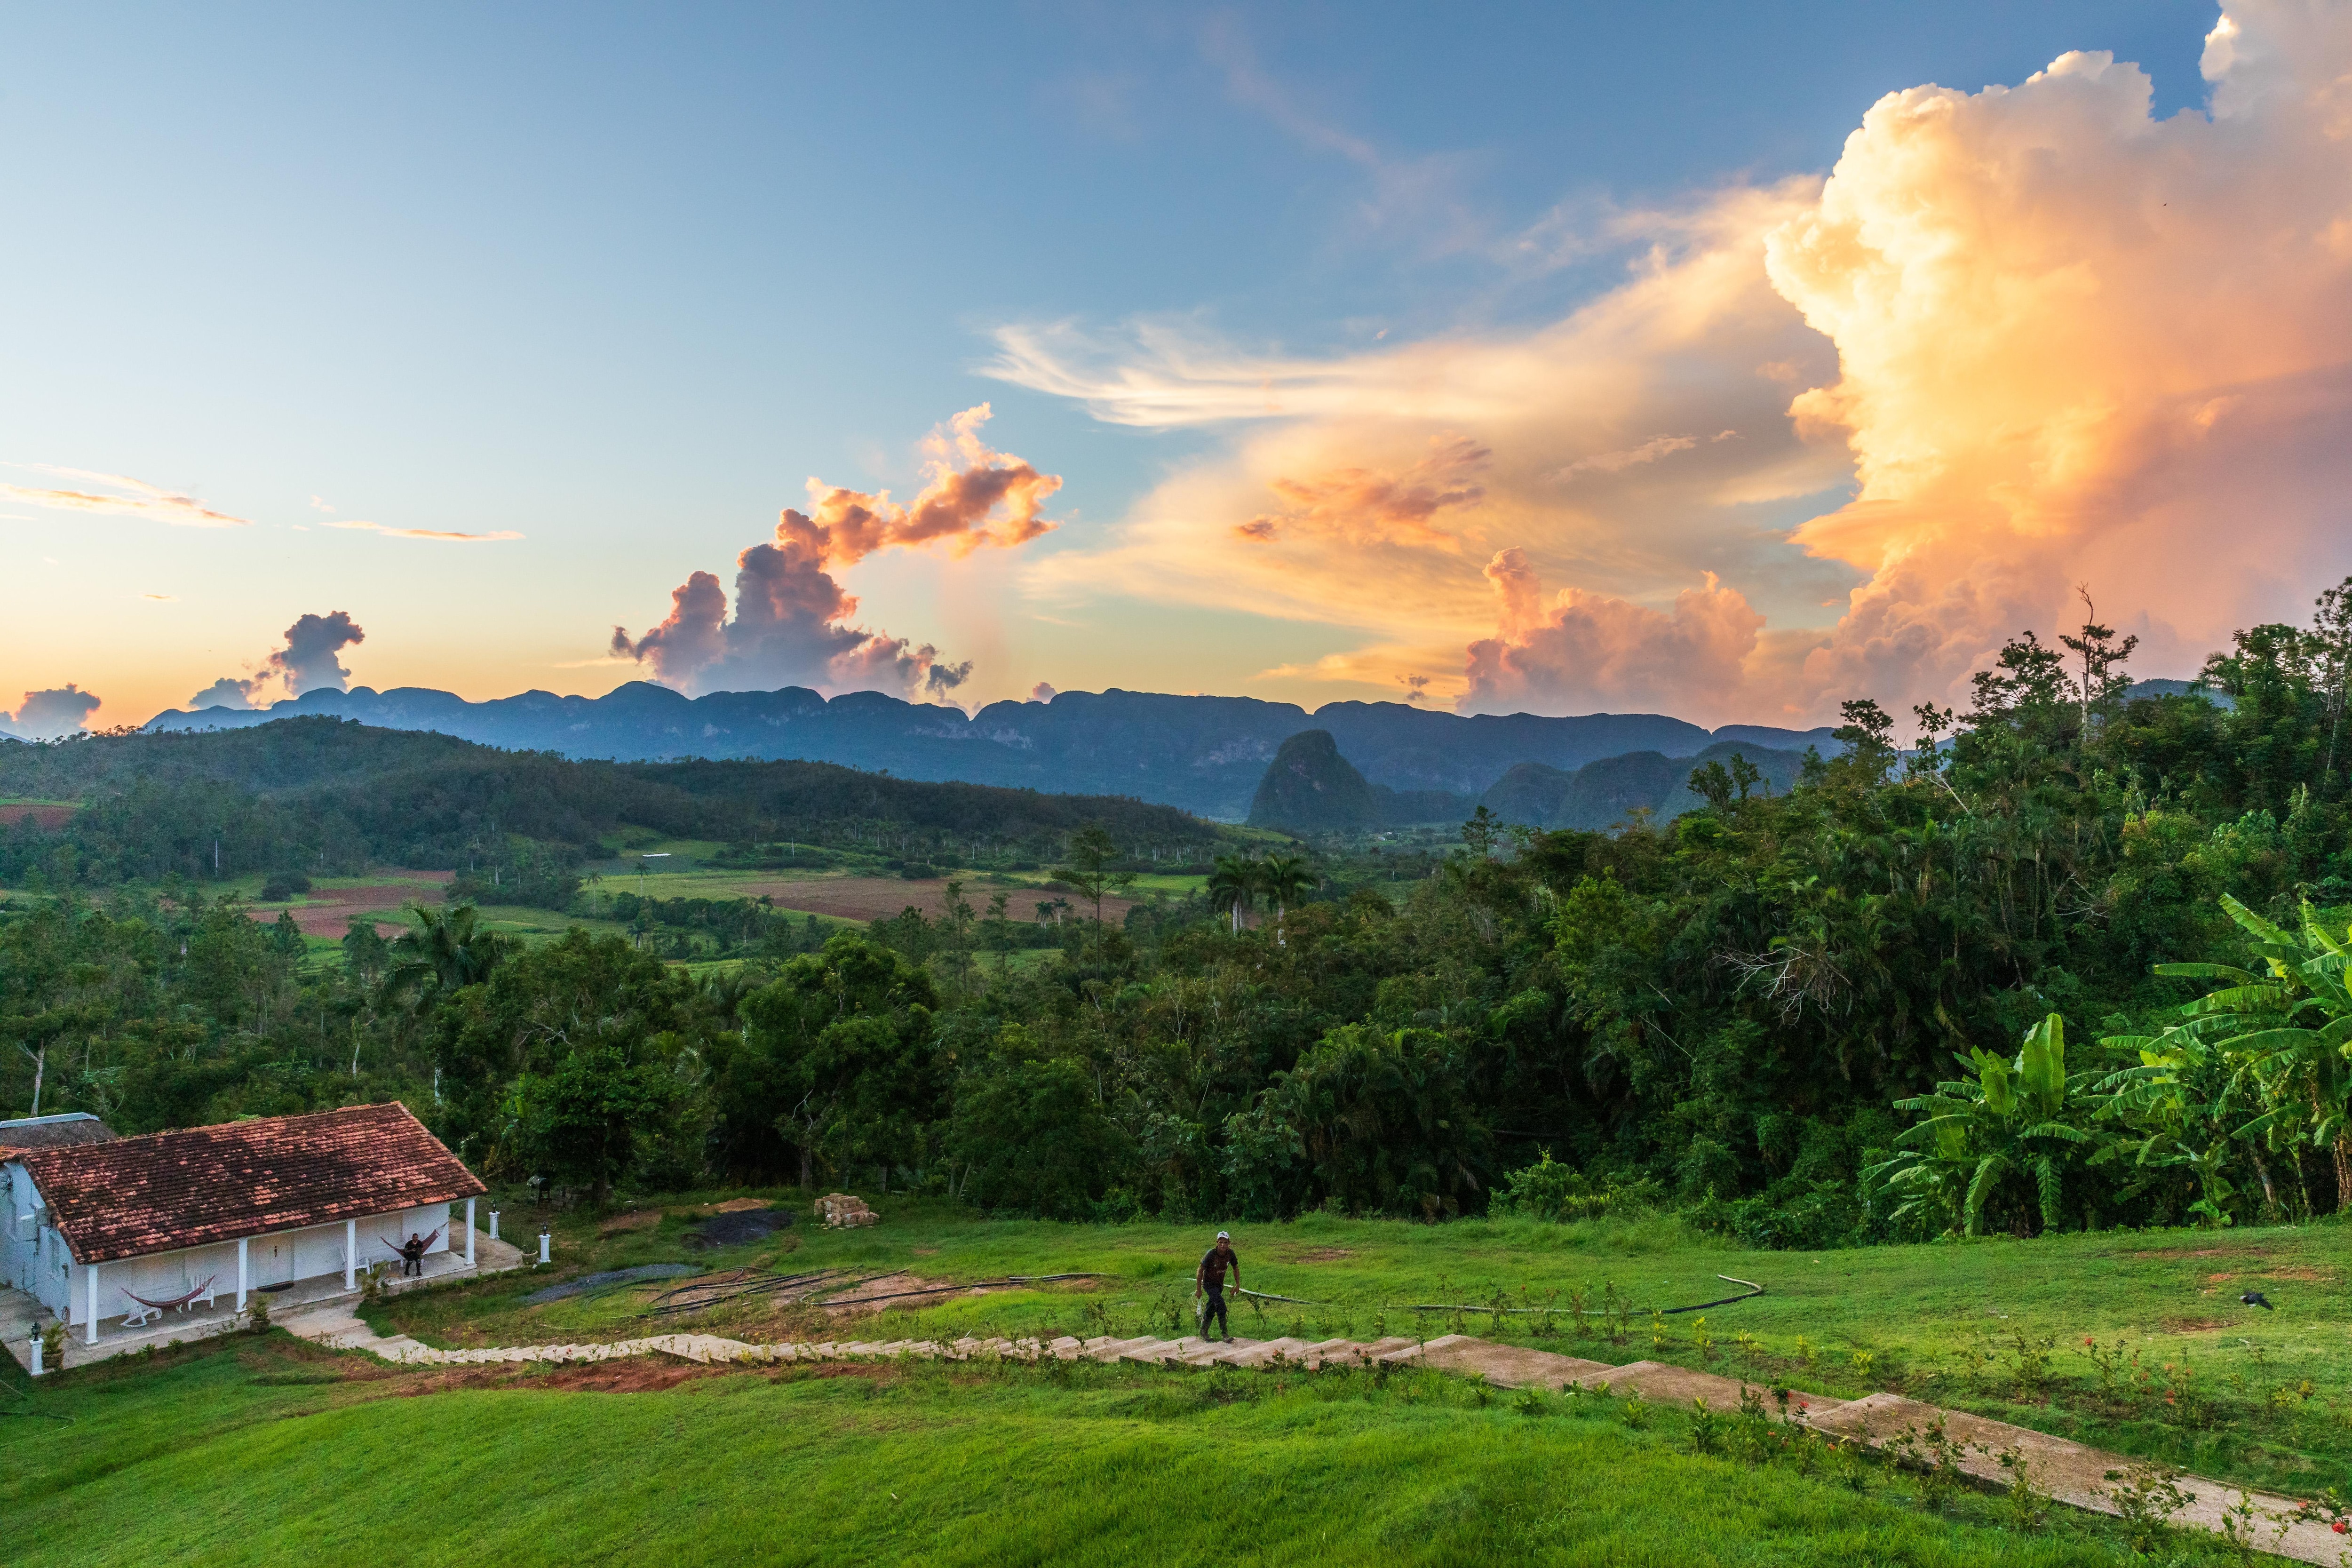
(2280, 1038)
(2002, 1121)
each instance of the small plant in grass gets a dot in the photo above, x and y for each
(1805, 1451)
(2107, 1362)
(257, 1313)
(1482, 1392)
(1635, 1411)
(1657, 1329)
(1744, 1344)
(1806, 1355)
(1580, 1301)
(1934, 1457)
(2028, 1503)
(1530, 1401)
(2330, 1507)
(2146, 1496)
(1851, 1465)
(2245, 1526)
(2033, 1358)
(1380, 1325)
(1864, 1360)
(1706, 1428)
(1701, 1340)
(1616, 1313)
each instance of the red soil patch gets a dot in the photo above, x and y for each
(47, 817)
(640, 1219)
(879, 898)
(330, 911)
(2197, 1325)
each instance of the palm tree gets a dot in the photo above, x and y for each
(1283, 877)
(1234, 882)
(441, 952)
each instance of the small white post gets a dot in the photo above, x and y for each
(543, 1247)
(351, 1254)
(494, 1225)
(90, 1337)
(243, 1274)
(469, 1233)
(38, 1370)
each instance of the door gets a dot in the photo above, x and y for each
(271, 1259)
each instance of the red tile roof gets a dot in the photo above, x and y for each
(171, 1190)
(51, 1132)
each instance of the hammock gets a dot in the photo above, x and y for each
(396, 1246)
(153, 1308)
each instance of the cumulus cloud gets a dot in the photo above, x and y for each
(2020, 338)
(60, 710)
(1587, 650)
(116, 495)
(311, 660)
(792, 618)
(228, 691)
(1042, 692)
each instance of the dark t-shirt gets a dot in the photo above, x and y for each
(1213, 1269)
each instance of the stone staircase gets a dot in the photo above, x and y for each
(2072, 1473)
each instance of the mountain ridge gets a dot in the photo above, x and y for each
(1204, 754)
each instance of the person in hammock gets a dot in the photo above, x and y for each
(412, 1256)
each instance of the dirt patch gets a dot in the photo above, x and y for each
(48, 818)
(2197, 1325)
(1318, 1254)
(926, 1252)
(2311, 1273)
(2217, 1279)
(879, 898)
(637, 1219)
(741, 1206)
(330, 911)
(2172, 1253)
(734, 1226)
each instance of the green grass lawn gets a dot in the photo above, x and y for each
(1996, 1327)
(270, 1451)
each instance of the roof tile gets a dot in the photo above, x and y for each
(171, 1190)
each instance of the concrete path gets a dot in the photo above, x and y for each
(2071, 1473)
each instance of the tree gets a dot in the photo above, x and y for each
(583, 1120)
(441, 952)
(2000, 1122)
(1092, 850)
(1029, 1134)
(1233, 887)
(1283, 877)
(845, 1040)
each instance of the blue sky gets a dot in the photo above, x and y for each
(619, 280)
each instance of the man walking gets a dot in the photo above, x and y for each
(1209, 1280)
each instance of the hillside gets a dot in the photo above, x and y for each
(1203, 754)
(1601, 794)
(319, 794)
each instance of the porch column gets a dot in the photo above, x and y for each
(469, 1233)
(90, 1275)
(351, 1254)
(243, 1274)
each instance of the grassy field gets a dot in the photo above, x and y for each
(2177, 1368)
(271, 1451)
(262, 1450)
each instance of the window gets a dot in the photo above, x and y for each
(26, 1230)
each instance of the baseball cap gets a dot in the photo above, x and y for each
(1224, 1235)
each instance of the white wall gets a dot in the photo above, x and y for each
(311, 1253)
(37, 1265)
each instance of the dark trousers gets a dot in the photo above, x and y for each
(1214, 1308)
(410, 1263)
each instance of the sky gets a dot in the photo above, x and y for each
(1719, 360)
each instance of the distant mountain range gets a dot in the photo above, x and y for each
(1206, 755)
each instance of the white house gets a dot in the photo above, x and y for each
(92, 1228)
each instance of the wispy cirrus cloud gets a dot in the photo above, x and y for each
(116, 495)
(431, 535)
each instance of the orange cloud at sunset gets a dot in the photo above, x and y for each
(2039, 337)
(791, 622)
